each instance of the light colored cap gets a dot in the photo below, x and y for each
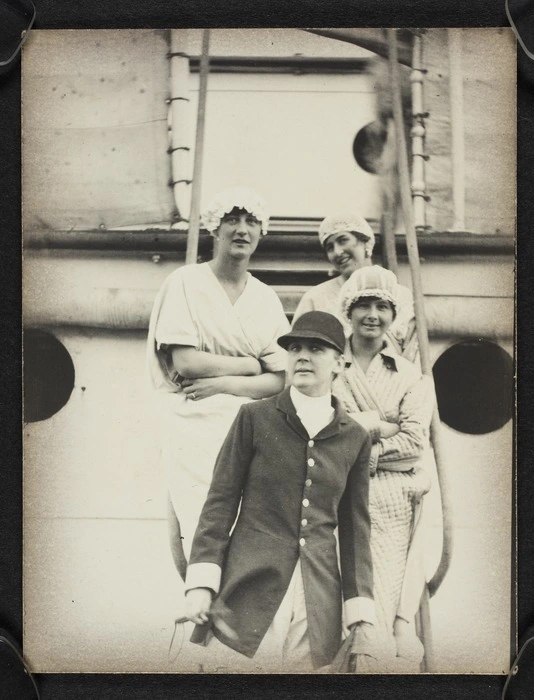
(225, 201)
(372, 281)
(351, 222)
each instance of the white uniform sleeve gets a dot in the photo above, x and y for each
(175, 324)
(273, 357)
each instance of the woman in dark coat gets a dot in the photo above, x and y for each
(294, 467)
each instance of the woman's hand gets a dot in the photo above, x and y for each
(191, 363)
(198, 604)
(409, 646)
(255, 367)
(365, 639)
(388, 429)
(377, 429)
(418, 485)
(253, 387)
(198, 389)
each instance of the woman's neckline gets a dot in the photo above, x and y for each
(221, 285)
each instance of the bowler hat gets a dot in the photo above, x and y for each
(316, 325)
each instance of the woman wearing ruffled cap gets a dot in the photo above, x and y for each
(211, 348)
(386, 393)
(348, 241)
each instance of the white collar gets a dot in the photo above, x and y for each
(315, 412)
(308, 403)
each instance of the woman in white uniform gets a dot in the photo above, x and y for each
(211, 348)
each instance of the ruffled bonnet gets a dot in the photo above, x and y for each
(225, 201)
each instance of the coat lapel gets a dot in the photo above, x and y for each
(285, 405)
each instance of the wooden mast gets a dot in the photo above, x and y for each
(194, 218)
(422, 331)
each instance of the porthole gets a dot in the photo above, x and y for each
(474, 386)
(368, 146)
(48, 375)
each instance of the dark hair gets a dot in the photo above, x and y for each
(355, 302)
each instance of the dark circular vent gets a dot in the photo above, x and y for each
(48, 375)
(474, 386)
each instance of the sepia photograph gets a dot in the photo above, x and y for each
(268, 311)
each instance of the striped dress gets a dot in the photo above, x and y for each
(402, 396)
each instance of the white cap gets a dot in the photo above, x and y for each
(372, 281)
(350, 222)
(235, 197)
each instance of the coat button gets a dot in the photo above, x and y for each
(311, 462)
(302, 541)
(311, 443)
(303, 522)
(305, 503)
(308, 482)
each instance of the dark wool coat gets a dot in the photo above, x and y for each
(293, 492)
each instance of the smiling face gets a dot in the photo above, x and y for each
(371, 317)
(238, 234)
(312, 366)
(346, 252)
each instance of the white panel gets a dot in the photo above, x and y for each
(95, 132)
(489, 65)
(290, 138)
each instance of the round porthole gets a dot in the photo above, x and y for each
(474, 386)
(368, 147)
(48, 375)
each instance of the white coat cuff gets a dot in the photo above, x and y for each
(203, 575)
(359, 609)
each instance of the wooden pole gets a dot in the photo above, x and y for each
(180, 109)
(387, 224)
(423, 628)
(456, 83)
(418, 136)
(194, 218)
(389, 202)
(407, 211)
(422, 330)
(388, 234)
